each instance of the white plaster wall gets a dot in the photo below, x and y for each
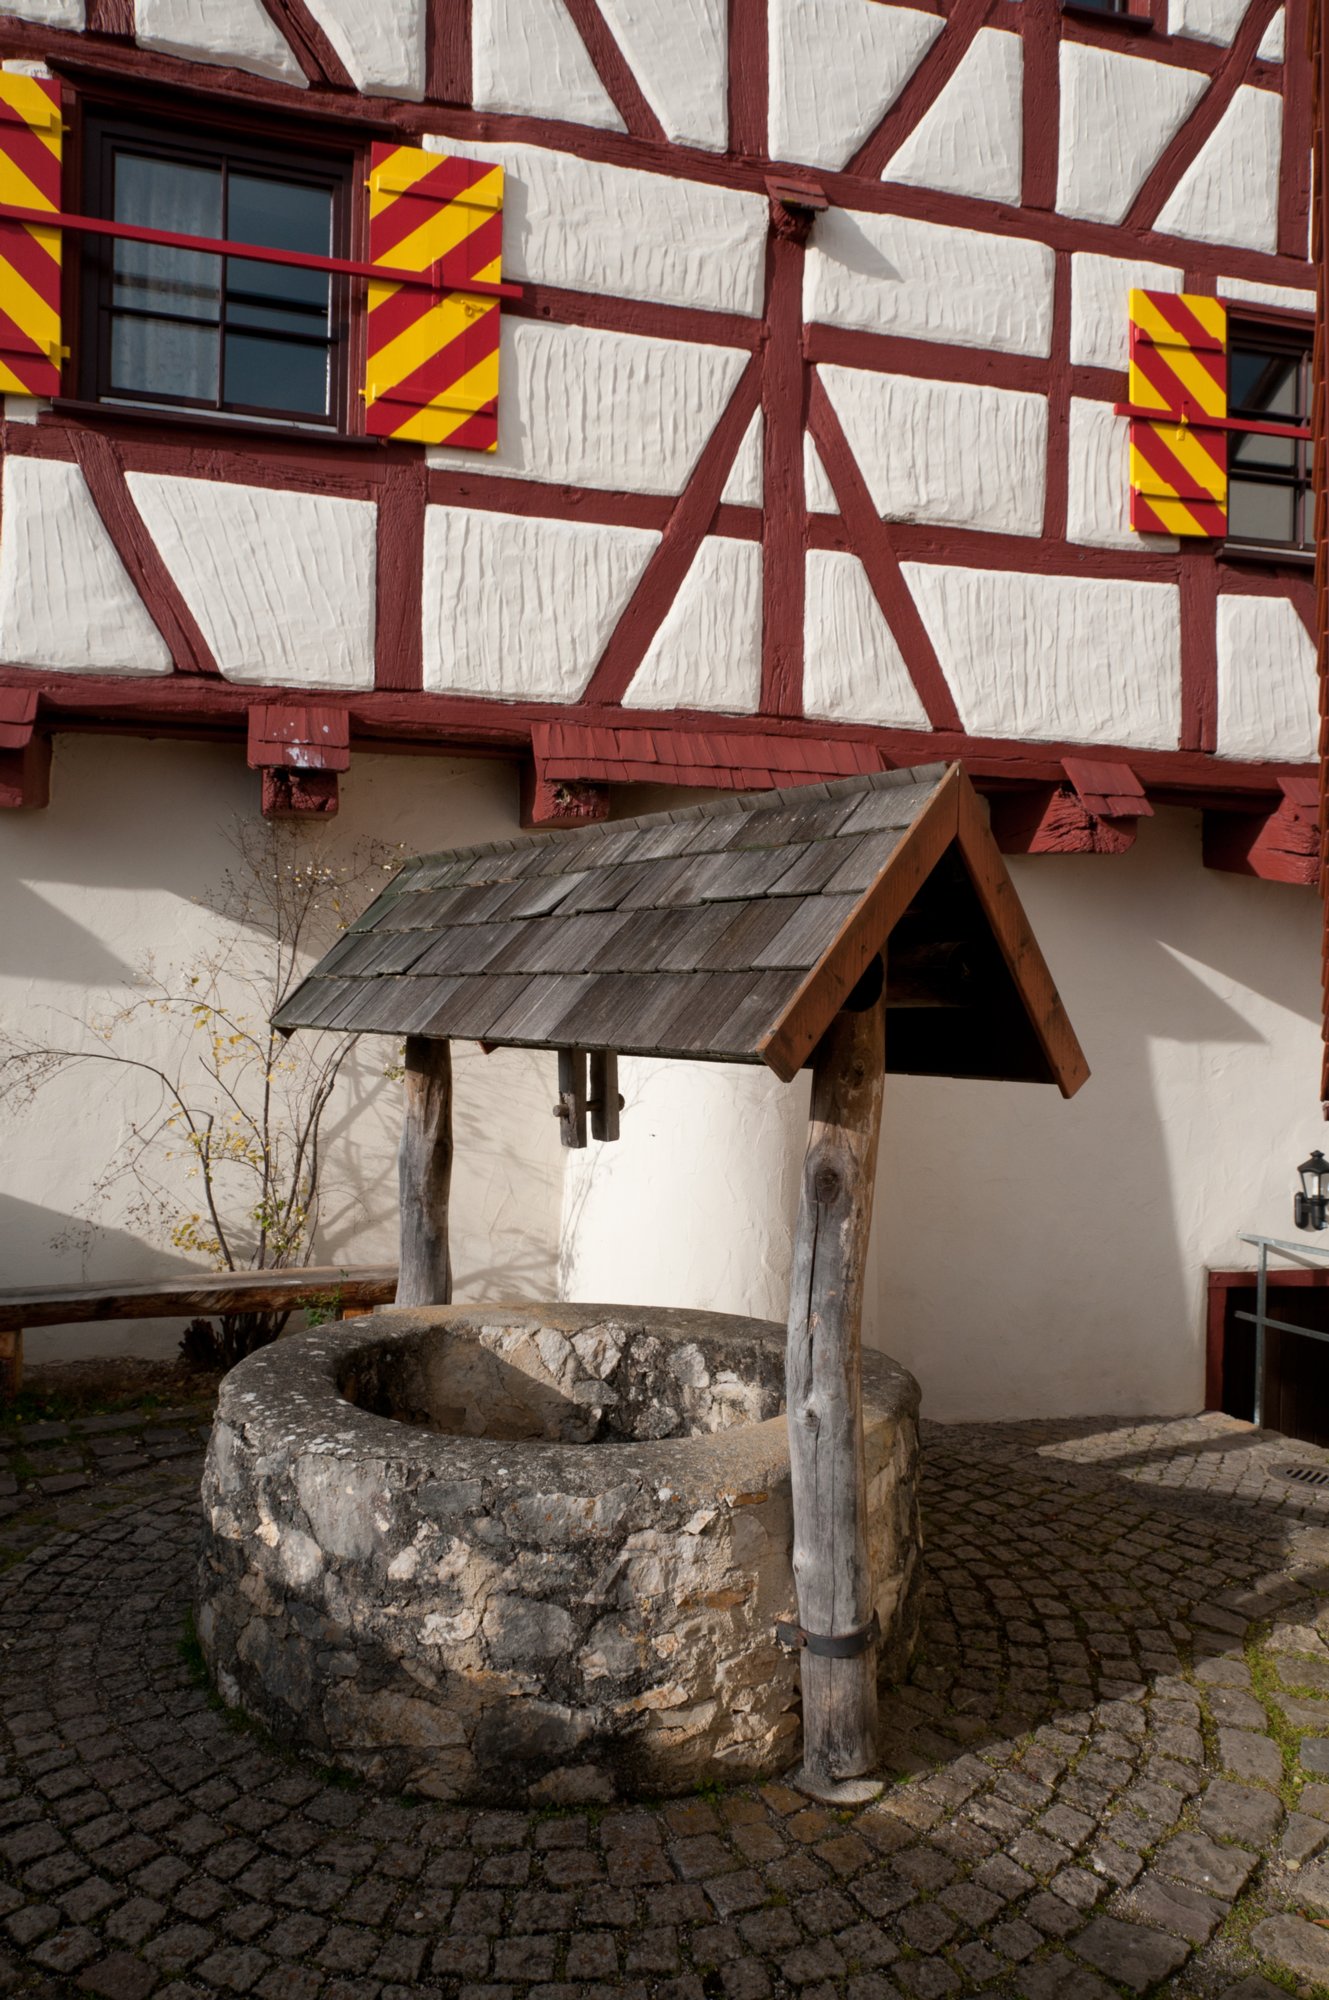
(66, 599)
(1117, 114)
(51, 13)
(518, 608)
(950, 452)
(679, 52)
(969, 141)
(527, 57)
(1229, 193)
(817, 489)
(1274, 38)
(693, 1204)
(1267, 695)
(282, 584)
(1100, 304)
(746, 482)
(582, 407)
(1028, 1256)
(239, 32)
(136, 833)
(1249, 291)
(1066, 658)
(888, 274)
(835, 67)
(1098, 481)
(706, 652)
(855, 671)
(1062, 1267)
(1207, 20)
(674, 242)
(382, 46)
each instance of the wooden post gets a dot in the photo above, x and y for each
(832, 1568)
(605, 1101)
(11, 1364)
(572, 1096)
(424, 1175)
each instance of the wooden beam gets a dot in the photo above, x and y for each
(823, 1373)
(1053, 819)
(829, 983)
(605, 1102)
(1281, 845)
(553, 802)
(424, 1175)
(571, 1105)
(289, 794)
(25, 757)
(1108, 788)
(353, 1290)
(1018, 945)
(25, 776)
(201, 1292)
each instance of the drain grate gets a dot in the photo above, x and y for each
(1305, 1475)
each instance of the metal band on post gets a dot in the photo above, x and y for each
(829, 1645)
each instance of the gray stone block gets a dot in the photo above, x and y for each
(1129, 1954)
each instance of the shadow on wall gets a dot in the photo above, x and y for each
(48, 1246)
(1032, 1257)
(506, 1173)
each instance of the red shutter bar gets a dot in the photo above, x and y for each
(258, 253)
(1220, 423)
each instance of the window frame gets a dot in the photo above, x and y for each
(1135, 16)
(321, 163)
(1286, 333)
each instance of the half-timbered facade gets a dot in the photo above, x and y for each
(607, 395)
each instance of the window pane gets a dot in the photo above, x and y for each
(164, 194)
(276, 374)
(1261, 511)
(1265, 382)
(163, 357)
(285, 216)
(1255, 449)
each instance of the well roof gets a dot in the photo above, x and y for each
(731, 931)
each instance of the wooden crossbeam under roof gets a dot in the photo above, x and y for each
(732, 931)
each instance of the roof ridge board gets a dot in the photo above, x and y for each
(727, 803)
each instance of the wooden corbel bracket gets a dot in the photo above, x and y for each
(1280, 843)
(1096, 811)
(300, 750)
(25, 756)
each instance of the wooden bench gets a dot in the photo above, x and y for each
(354, 1287)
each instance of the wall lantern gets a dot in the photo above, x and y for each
(1310, 1207)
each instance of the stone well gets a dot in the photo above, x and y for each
(528, 1554)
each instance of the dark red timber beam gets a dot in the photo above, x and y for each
(1318, 45)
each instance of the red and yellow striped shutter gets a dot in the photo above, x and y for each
(1179, 368)
(432, 374)
(31, 131)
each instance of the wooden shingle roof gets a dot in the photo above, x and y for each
(731, 931)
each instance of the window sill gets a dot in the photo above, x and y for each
(1263, 557)
(194, 420)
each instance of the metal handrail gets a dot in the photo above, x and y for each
(1292, 1253)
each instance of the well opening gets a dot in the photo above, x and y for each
(606, 1382)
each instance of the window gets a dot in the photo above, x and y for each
(1137, 13)
(1270, 497)
(162, 325)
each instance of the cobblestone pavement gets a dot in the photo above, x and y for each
(1109, 1774)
